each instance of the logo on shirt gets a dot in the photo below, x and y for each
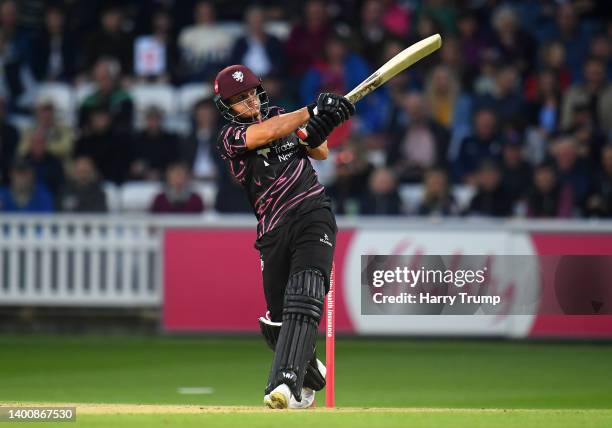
(325, 240)
(238, 76)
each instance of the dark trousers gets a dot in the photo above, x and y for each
(306, 241)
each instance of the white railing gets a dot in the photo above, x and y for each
(116, 260)
(79, 261)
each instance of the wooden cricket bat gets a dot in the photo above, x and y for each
(394, 66)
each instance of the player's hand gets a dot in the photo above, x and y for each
(318, 129)
(336, 106)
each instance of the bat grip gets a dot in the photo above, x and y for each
(301, 132)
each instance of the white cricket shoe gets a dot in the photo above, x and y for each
(279, 397)
(308, 398)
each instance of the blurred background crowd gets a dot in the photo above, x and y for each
(107, 102)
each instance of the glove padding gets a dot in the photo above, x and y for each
(335, 106)
(318, 129)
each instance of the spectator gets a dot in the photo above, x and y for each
(25, 194)
(572, 171)
(442, 12)
(337, 72)
(545, 103)
(15, 36)
(55, 49)
(509, 41)
(47, 167)
(177, 197)
(9, 137)
(589, 138)
(573, 34)
(205, 46)
(308, 38)
(396, 18)
(516, 173)
(107, 147)
(17, 83)
(352, 174)
(505, 99)
(552, 61)
(371, 34)
(472, 42)
(437, 197)
(421, 145)
(59, 137)
(490, 199)
(258, 50)
(483, 144)
(83, 192)
(601, 50)
(545, 198)
(110, 41)
(382, 197)
(108, 96)
(595, 92)
(599, 203)
(156, 55)
(442, 91)
(153, 149)
(197, 150)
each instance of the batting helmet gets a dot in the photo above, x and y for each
(234, 80)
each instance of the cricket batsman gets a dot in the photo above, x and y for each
(296, 229)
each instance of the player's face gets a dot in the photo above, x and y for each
(246, 104)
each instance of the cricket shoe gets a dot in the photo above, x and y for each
(308, 400)
(279, 397)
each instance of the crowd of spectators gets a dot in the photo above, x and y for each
(517, 104)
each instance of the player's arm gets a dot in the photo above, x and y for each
(319, 153)
(274, 128)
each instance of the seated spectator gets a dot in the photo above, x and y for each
(59, 137)
(490, 199)
(110, 41)
(352, 175)
(595, 92)
(438, 199)
(338, 71)
(47, 167)
(109, 96)
(516, 172)
(510, 41)
(25, 194)
(572, 33)
(421, 145)
(153, 149)
(198, 149)
(545, 198)
(552, 61)
(17, 82)
(382, 197)
(307, 38)
(156, 55)
(258, 50)
(371, 34)
(206, 45)
(483, 144)
(442, 91)
(505, 99)
(55, 49)
(599, 202)
(472, 42)
(83, 192)
(177, 197)
(9, 137)
(572, 171)
(108, 148)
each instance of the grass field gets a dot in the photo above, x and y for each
(378, 383)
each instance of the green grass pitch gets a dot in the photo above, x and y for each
(415, 383)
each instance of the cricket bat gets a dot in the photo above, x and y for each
(394, 66)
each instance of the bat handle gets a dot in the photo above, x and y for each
(301, 132)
